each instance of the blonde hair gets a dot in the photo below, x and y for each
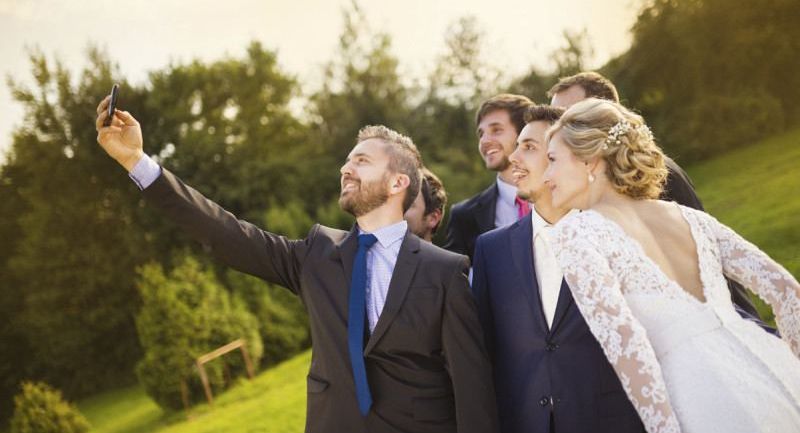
(634, 162)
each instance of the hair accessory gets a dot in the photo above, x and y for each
(621, 128)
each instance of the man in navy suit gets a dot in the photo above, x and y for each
(550, 373)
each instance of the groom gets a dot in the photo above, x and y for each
(550, 373)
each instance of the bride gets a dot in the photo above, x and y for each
(647, 276)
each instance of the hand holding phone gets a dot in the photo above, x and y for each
(112, 105)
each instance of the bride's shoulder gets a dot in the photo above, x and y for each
(580, 226)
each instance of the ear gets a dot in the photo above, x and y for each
(595, 165)
(433, 219)
(399, 182)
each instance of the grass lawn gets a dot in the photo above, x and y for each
(274, 402)
(756, 191)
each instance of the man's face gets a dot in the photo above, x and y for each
(568, 97)
(529, 161)
(497, 138)
(365, 178)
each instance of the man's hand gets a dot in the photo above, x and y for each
(122, 140)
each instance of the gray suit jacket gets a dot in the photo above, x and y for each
(426, 363)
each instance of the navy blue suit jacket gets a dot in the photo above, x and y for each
(542, 376)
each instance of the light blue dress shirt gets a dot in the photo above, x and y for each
(505, 210)
(381, 259)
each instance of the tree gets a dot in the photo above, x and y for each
(187, 313)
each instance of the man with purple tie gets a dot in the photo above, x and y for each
(499, 120)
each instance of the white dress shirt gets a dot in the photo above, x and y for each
(548, 272)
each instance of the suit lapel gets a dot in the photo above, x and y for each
(487, 206)
(404, 268)
(345, 251)
(521, 243)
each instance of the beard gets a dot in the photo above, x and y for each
(500, 165)
(367, 197)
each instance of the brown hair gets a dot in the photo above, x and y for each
(634, 162)
(515, 105)
(403, 157)
(594, 84)
(544, 113)
(433, 194)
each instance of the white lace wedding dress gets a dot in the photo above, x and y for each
(687, 365)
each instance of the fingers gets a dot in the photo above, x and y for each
(103, 106)
(101, 117)
(126, 118)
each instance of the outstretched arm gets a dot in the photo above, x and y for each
(598, 295)
(238, 243)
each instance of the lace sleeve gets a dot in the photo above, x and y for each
(751, 267)
(598, 295)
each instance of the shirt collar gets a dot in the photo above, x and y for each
(507, 191)
(539, 222)
(389, 234)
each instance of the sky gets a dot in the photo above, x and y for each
(147, 35)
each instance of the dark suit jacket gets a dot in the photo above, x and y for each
(426, 362)
(539, 373)
(469, 219)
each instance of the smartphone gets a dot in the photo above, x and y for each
(112, 105)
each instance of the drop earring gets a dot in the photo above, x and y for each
(591, 178)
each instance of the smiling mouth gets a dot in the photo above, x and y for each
(491, 152)
(349, 186)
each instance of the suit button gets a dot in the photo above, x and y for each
(544, 401)
(551, 347)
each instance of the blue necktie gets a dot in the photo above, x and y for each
(356, 311)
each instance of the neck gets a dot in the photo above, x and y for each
(505, 175)
(544, 207)
(607, 197)
(383, 216)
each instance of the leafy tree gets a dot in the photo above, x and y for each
(187, 313)
(75, 232)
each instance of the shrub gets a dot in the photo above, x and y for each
(185, 314)
(41, 409)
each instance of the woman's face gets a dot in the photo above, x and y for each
(566, 175)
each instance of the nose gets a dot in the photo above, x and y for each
(513, 158)
(482, 140)
(346, 169)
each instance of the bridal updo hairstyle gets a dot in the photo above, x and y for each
(634, 163)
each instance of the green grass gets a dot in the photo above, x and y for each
(756, 192)
(273, 402)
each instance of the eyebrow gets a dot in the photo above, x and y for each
(356, 155)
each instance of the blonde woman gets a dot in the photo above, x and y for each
(647, 276)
